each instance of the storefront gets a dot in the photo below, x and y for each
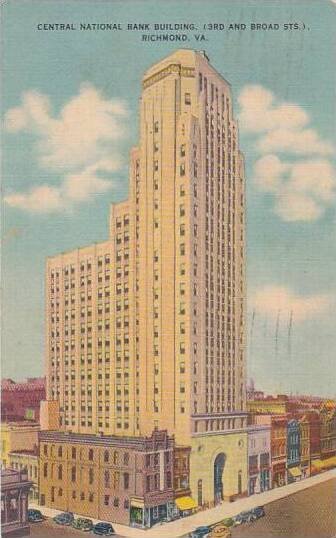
(294, 474)
(146, 517)
(185, 505)
(279, 475)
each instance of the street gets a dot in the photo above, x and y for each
(307, 514)
(310, 513)
(49, 529)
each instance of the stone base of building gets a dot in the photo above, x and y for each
(218, 467)
(23, 531)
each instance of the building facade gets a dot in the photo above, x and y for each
(293, 450)
(279, 450)
(21, 400)
(21, 435)
(128, 480)
(147, 330)
(14, 502)
(27, 460)
(305, 443)
(259, 454)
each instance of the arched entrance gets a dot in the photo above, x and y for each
(218, 477)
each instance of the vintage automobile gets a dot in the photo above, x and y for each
(103, 529)
(259, 511)
(83, 524)
(220, 531)
(65, 518)
(244, 517)
(201, 532)
(35, 516)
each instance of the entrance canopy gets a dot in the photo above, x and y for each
(185, 503)
(295, 472)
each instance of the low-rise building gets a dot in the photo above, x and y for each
(259, 454)
(279, 450)
(126, 480)
(14, 502)
(304, 426)
(28, 460)
(21, 435)
(21, 400)
(293, 450)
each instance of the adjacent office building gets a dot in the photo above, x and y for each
(146, 331)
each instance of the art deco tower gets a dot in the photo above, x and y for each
(188, 195)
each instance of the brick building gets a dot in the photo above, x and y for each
(21, 400)
(127, 480)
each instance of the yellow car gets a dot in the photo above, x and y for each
(220, 531)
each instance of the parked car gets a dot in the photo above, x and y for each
(103, 529)
(244, 517)
(228, 522)
(220, 531)
(82, 524)
(258, 511)
(200, 532)
(66, 518)
(35, 516)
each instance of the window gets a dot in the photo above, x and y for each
(91, 475)
(126, 480)
(169, 480)
(106, 456)
(126, 458)
(60, 472)
(116, 501)
(187, 98)
(148, 483)
(182, 169)
(91, 454)
(107, 479)
(45, 469)
(73, 474)
(59, 451)
(106, 500)
(182, 150)
(73, 453)
(156, 127)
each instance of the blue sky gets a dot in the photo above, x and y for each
(57, 198)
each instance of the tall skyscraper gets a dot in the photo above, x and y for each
(147, 330)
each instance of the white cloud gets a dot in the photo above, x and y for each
(259, 113)
(76, 188)
(298, 142)
(303, 190)
(78, 144)
(43, 199)
(271, 300)
(282, 126)
(268, 173)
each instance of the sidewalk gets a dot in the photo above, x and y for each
(180, 527)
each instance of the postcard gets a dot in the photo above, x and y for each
(168, 268)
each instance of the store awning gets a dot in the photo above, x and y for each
(295, 471)
(185, 503)
(324, 464)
